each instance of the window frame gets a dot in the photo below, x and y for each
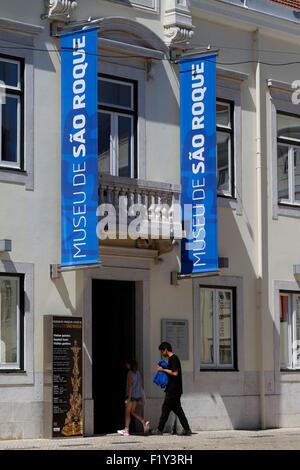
(291, 144)
(229, 131)
(291, 365)
(115, 112)
(150, 6)
(19, 366)
(13, 32)
(217, 366)
(26, 375)
(279, 101)
(15, 92)
(230, 85)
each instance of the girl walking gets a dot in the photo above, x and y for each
(134, 397)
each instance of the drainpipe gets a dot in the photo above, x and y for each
(259, 183)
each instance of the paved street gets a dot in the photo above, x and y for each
(212, 440)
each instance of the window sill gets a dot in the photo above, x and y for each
(288, 204)
(288, 210)
(17, 176)
(12, 168)
(226, 196)
(16, 377)
(288, 371)
(229, 202)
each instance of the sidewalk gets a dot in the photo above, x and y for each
(206, 440)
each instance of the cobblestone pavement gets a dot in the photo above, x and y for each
(282, 439)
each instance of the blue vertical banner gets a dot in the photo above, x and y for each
(79, 146)
(199, 250)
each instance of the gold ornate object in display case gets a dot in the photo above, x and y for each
(74, 420)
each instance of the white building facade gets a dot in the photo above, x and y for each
(241, 366)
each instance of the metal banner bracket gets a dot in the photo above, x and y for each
(56, 269)
(223, 263)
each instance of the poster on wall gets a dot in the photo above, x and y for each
(199, 248)
(79, 147)
(176, 332)
(67, 406)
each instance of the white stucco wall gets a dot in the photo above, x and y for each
(31, 219)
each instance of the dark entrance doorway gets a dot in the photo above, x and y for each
(113, 334)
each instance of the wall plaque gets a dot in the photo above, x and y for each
(64, 376)
(176, 332)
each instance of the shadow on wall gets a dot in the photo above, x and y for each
(63, 292)
(75, 308)
(231, 399)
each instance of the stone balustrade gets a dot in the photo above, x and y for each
(157, 200)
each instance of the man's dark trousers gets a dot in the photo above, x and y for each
(172, 403)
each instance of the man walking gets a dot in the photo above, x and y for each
(173, 391)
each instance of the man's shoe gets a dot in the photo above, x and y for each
(186, 432)
(156, 432)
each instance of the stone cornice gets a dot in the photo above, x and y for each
(19, 27)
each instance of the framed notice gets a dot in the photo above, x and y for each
(176, 332)
(63, 376)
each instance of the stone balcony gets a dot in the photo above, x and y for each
(159, 203)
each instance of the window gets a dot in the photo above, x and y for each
(117, 127)
(216, 327)
(289, 330)
(288, 158)
(11, 113)
(11, 322)
(225, 157)
(148, 5)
